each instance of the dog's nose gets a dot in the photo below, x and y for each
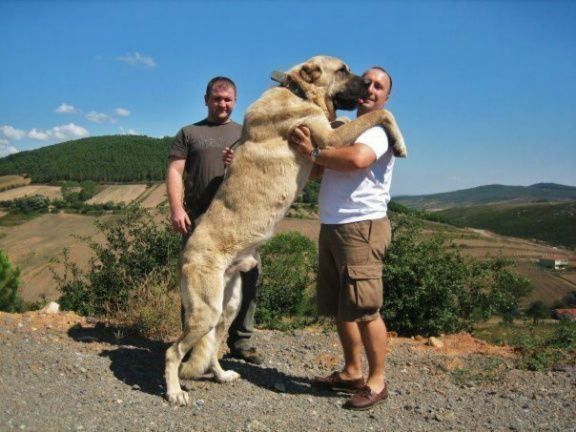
(367, 82)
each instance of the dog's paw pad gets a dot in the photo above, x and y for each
(178, 398)
(227, 376)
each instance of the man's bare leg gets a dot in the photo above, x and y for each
(375, 340)
(351, 341)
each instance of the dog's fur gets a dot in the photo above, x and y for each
(261, 184)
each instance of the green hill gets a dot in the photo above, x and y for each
(114, 158)
(488, 195)
(554, 223)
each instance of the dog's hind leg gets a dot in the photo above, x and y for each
(232, 300)
(203, 310)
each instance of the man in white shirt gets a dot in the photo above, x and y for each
(354, 235)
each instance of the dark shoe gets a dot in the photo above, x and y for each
(249, 355)
(334, 382)
(366, 398)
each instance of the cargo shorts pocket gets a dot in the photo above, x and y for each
(365, 286)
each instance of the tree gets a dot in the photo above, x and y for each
(537, 311)
(10, 300)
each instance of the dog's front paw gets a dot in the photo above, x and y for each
(400, 149)
(178, 398)
(227, 376)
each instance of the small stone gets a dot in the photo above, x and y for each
(280, 386)
(419, 338)
(135, 387)
(435, 342)
(51, 308)
(199, 404)
(119, 401)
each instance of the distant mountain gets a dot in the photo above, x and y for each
(114, 158)
(490, 194)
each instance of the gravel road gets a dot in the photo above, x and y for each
(61, 373)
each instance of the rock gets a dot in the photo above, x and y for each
(419, 338)
(280, 386)
(199, 404)
(435, 342)
(51, 308)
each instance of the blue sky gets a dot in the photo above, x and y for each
(484, 91)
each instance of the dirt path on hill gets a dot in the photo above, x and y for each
(62, 373)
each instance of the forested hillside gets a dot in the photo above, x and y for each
(114, 158)
(489, 194)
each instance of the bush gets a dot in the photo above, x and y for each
(10, 300)
(537, 311)
(541, 353)
(288, 270)
(134, 247)
(431, 289)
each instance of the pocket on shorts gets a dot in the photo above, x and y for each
(365, 286)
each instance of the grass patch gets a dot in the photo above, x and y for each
(541, 347)
(480, 370)
(17, 218)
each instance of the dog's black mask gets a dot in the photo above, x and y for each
(347, 99)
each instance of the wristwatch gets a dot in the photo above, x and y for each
(314, 154)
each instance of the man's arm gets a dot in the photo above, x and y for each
(349, 158)
(175, 189)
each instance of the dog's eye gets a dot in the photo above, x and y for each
(343, 70)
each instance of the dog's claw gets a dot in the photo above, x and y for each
(227, 376)
(178, 398)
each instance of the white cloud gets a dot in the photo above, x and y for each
(68, 131)
(12, 133)
(123, 112)
(129, 131)
(6, 149)
(38, 135)
(97, 117)
(65, 109)
(137, 59)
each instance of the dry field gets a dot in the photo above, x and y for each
(155, 196)
(118, 194)
(33, 245)
(52, 192)
(11, 181)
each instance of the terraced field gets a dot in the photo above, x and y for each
(52, 192)
(118, 194)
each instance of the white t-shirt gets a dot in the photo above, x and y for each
(360, 194)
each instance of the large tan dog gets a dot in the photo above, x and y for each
(261, 184)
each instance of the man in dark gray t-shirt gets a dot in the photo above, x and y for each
(196, 167)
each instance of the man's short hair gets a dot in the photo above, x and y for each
(223, 79)
(380, 68)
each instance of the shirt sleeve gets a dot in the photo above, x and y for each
(376, 139)
(179, 149)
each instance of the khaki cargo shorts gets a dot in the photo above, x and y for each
(350, 269)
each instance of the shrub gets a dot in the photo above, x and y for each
(134, 247)
(154, 307)
(541, 353)
(537, 311)
(288, 270)
(431, 289)
(10, 300)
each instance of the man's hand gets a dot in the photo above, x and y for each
(180, 221)
(301, 141)
(227, 156)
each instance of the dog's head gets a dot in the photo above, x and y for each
(331, 78)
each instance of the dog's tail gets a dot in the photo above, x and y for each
(200, 357)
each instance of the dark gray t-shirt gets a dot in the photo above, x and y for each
(201, 144)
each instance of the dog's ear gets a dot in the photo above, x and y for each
(310, 72)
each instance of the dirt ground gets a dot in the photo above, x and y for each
(66, 373)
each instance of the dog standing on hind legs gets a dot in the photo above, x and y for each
(265, 178)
